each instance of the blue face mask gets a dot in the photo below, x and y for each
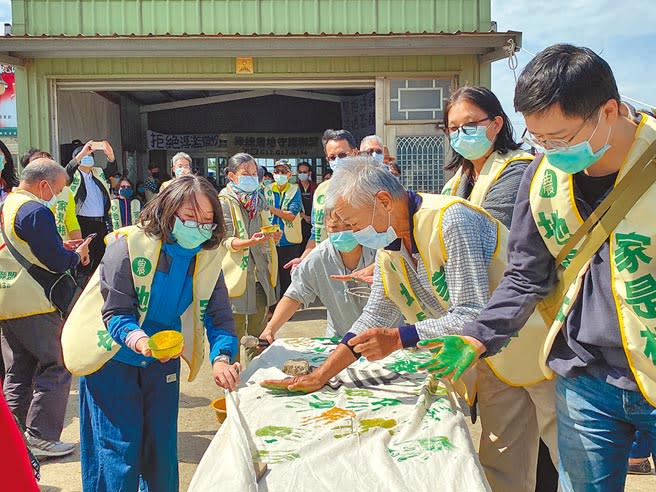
(576, 158)
(471, 146)
(126, 192)
(281, 179)
(379, 158)
(2, 162)
(343, 241)
(267, 182)
(188, 235)
(337, 163)
(87, 161)
(303, 176)
(182, 171)
(373, 239)
(247, 184)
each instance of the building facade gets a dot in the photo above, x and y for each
(214, 77)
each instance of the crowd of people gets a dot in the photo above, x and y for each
(546, 329)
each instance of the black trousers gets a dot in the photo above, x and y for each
(546, 475)
(89, 225)
(286, 254)
(306, 229)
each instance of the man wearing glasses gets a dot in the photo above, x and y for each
(602, 344)
(337, 145)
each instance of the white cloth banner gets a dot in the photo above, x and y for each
(386, 427)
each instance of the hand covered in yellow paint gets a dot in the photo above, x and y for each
(376, 343)
(297, 384)
(453, 355)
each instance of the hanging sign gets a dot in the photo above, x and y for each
(7, 101)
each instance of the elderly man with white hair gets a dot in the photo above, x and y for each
(438, 256)
(373, 145)
(180, 166)
(36, 382)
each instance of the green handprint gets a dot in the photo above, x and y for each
(454, 355)
(277, 457)
(273, 433)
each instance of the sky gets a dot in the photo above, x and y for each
(623, 33)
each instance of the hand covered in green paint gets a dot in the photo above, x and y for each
(298, 384)
(453, 355)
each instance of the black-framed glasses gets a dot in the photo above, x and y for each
(468, 128)
(341, 155)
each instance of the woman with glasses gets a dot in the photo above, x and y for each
(162, 274)
(489, 167)
(487, 161)
(126, 206)
(251, 265)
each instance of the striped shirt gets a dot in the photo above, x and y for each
(470, 241)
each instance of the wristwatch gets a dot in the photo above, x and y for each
(222, 358)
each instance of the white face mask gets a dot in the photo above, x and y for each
(49, 203)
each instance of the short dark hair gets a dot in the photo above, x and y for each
(485, 99)
(330, 134)
(304, 163)
(33, 154)
(158, 216)
(575, 78)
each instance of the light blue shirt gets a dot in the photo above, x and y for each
(94, 204)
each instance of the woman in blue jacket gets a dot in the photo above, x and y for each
(158, 275)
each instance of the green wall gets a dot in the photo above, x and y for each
(107, 17)
(32, 80)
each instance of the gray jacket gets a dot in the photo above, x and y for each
(258, 265)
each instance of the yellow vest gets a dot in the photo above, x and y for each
(292, 230)
(490, 172)
(165, 184)
(59, 211)
(97, 172)
(517, 364)
(20, 294)
(115, 213)
(87, 345)
(318, 213)
(632, 250)
(235, 263)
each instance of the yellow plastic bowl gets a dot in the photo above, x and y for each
(269, 229)
(219, 406)
(166, 344)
